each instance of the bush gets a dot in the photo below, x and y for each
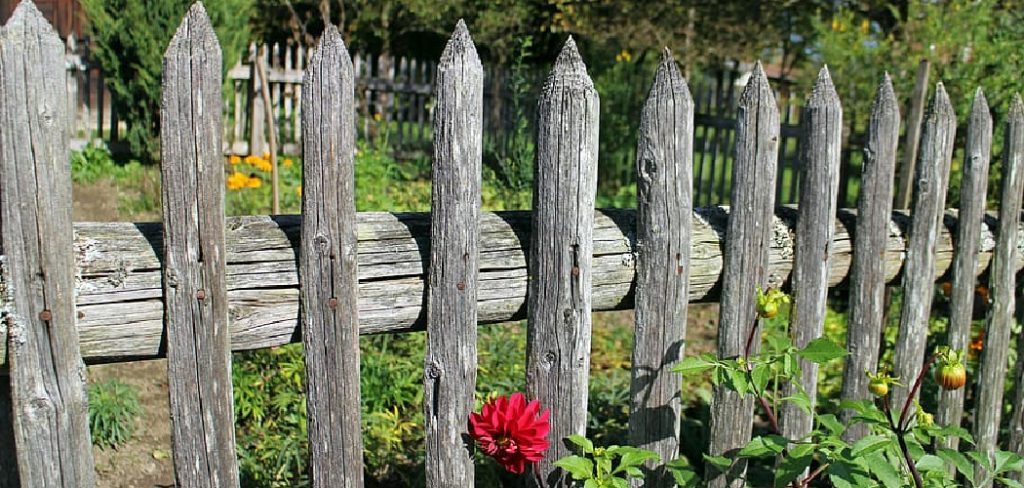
(113, 410)
(129, 39)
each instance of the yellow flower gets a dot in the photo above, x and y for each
(377, 116)
(250, 159)
(865, 26)
(298, 190)
(624, 56)
(287, 163)
(266, 155)
(836, 25)
(234, 159)
(254, 182)
(237, 180)
(263, 165)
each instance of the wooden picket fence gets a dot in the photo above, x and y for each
(199, 285)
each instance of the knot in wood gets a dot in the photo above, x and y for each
(575, 271)
(549, 360)
(333, 303)
(433, 370)
(45, 316)
(461, 286)
(322, 244)
(81, 314)
(201, 294)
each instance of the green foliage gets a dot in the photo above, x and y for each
(137, 185)
(509, 163)
(600, 467)
(129, 39)
(114, 410)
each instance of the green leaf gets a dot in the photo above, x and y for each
(930, 462)
(957, 459)
(684, 476)
(582, 442)
(760, 376)
(1009, 483)
(1008, 461)
(591, 483)
(721, 462)
(579, 467)
(801, 400)
(619, 483)
(636, 457)
(830, 422)
(634, 472)
(792, 466)
(870, 444)
(738, 381)
(847, 475)
(821, 350)
(884, 471)
(768, 445)
(980, 459)
(692, 365)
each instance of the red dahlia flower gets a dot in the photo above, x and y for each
(511, 431)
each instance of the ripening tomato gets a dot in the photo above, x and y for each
(951, 376)
(769, 310)
(878, 387)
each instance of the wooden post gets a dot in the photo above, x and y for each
(1016, 441)
(194, 283)
(972, 209)
(993, 364)
(257, 138)
(913, 136)
(327, 268)
(664, 166)
(867, 276)
(822, 126)
(745, 262)
(932, 178)
(449, 380)
(46, 444)
(561, 251)
(260, 71)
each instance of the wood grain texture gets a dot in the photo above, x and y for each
(1016, 425)
(561, 253)
(932, 178)
(194, 281)
(46, 444)
(328, 268)
(745, 264)
(819, 182)
(664, 166)
(449, 380)
(912, 139)
(867, 273)
(993, 365)
(973, 186)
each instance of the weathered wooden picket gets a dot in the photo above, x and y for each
(199, 285)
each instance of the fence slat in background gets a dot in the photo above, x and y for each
(819, 178)
(561, 251)
(867, 274)
(449, 381)
(1016, 441)
(973, 185)
(44, 441)
(745, 262)
(931, 179)
(327, 268)
(664, 167)
(993, 364)
(194, 283)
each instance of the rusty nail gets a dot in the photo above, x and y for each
(201, 294)
(45, 316)
(81, 314)
(461, 286)
(333, 303)
(575, 271)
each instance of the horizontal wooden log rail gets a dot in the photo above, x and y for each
(120, 306)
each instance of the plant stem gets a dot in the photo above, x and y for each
(918, 482)
(900, 430)
(913, 391)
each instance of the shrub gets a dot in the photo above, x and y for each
(113, 409)
(129, 38)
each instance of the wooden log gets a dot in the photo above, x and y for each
(745, 264)
(664, 167)
(328, 268)
(561, 256)
(819, 182)
(932, 178)
(993, 364)
(974, 182)
(449, 380)
(194, 258)
(867, 274)
(44, 437)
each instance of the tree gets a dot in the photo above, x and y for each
(129, 38)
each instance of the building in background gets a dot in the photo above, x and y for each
(65, 15)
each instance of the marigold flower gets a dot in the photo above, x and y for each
(234, 159)
(511, 431)
(254, 182)
(237, 180)
(263, 165)
(287, 162)
(298, 190)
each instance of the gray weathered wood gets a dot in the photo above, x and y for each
(745, 262)
(561, 251)
(867, 273)
(1016, 427)
(119, 288)
(194, 258)
(664, 166)
(449, 381)
(993, 364)
(932, 178)
(327, 267)
(819, 188)
(46, 444)
(913, 137)
(950, 407)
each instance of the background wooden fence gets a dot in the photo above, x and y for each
(199, 285)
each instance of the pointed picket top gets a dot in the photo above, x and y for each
(330, 43)
(758, 89)
(940, 103)
(28, 18)
(460, 46)
(668, 79)
(979, 109)
(885, 97)
(824, 92)
(1016, 114)
(569, 68)
(195, 26)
